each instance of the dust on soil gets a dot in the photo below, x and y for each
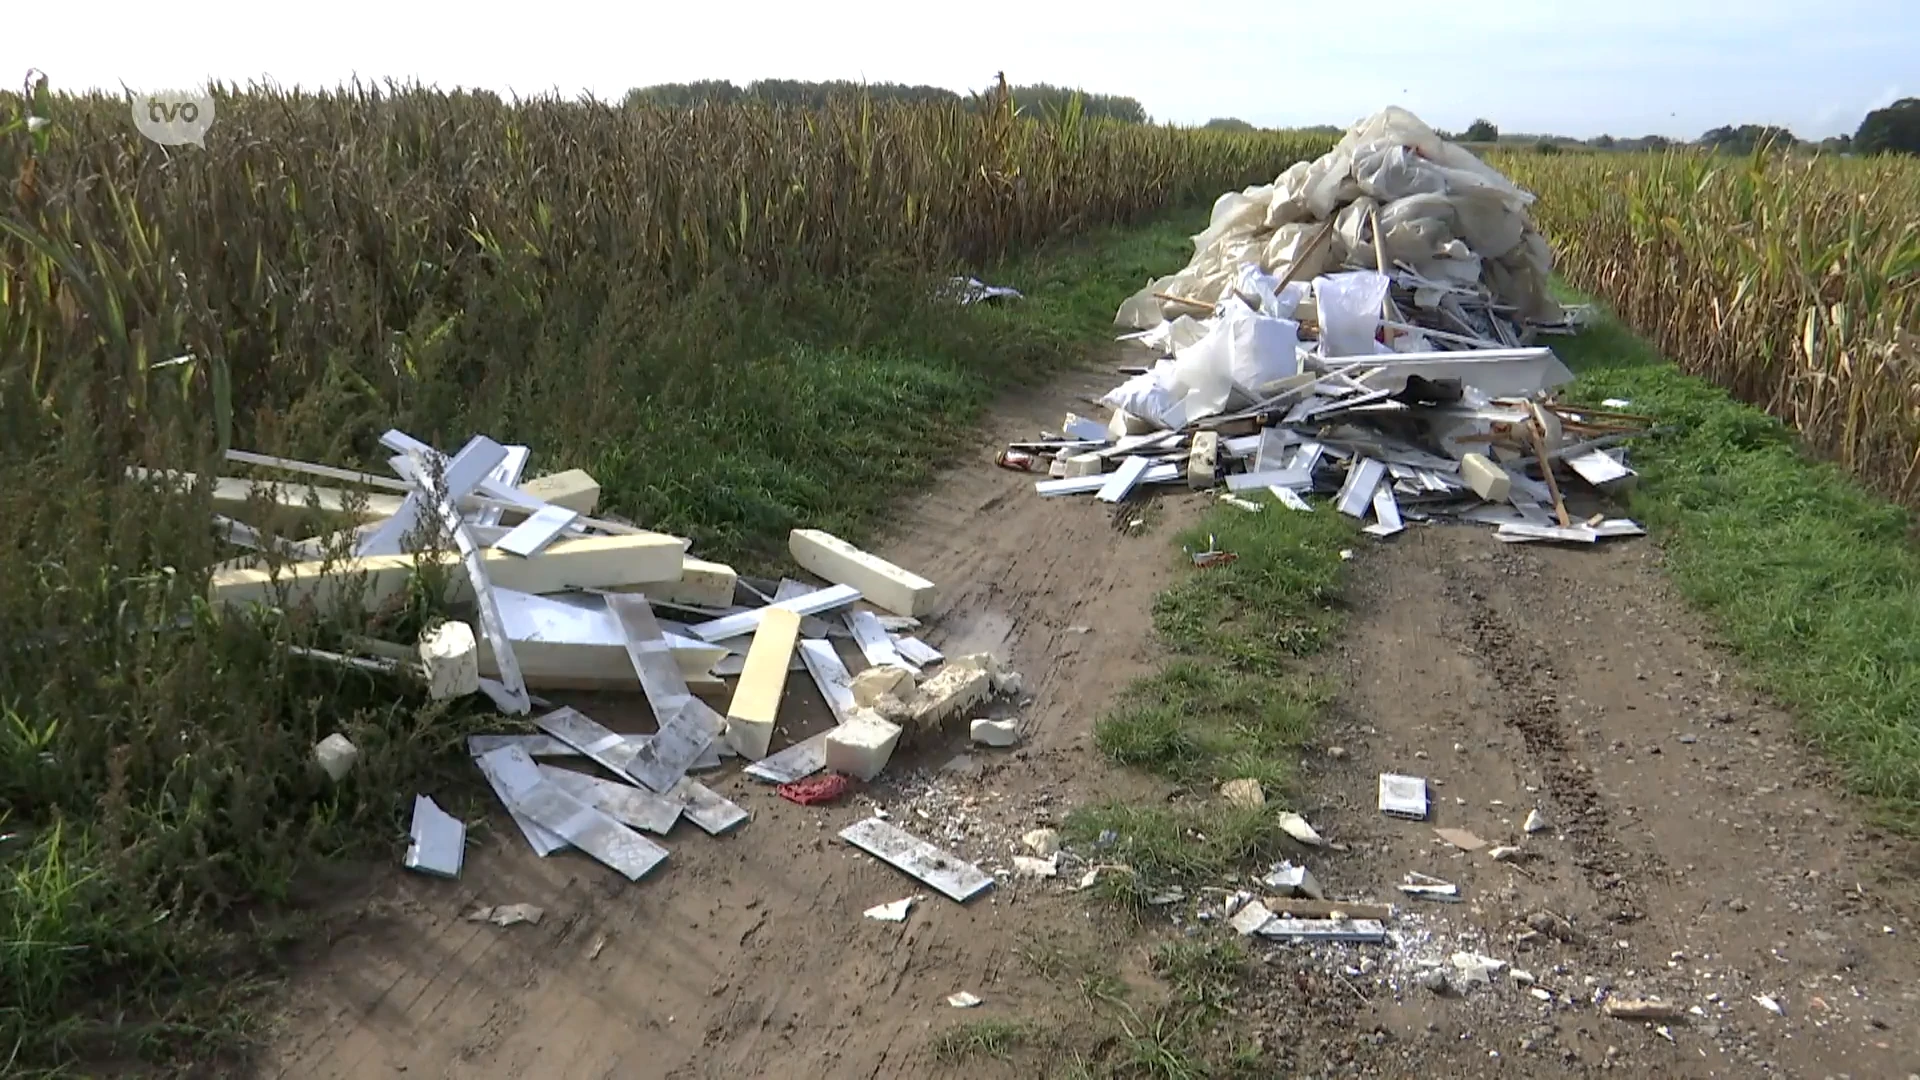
(1696, 849)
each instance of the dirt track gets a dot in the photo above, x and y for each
(1696, 849)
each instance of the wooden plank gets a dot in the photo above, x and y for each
(744, 623)
(586, 828)
(875, 643)
(624, 803)
(1303, 908)
(592, 562)
(512, 697)
(763, 681)
(687, 724)
(1124, 479)
(541, 528)
(804, 758)
(952, 878)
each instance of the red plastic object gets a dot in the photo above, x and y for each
(815, 790)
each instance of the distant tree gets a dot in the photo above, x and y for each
(1892, 130)
(1045, 99)
(1655, 142)
(1603, 142)
(1837, 144)
(1546, 146)
(1229, 123)
(1481, 131)
(1748, 137)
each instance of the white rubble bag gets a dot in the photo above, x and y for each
(1350, 306)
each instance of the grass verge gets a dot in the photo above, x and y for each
(159, 811)
(1810, 580)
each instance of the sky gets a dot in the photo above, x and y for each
(1620, 67)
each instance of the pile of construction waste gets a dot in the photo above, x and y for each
(1363, 327)
(566, 601)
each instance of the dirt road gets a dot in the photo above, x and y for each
(1695, 852)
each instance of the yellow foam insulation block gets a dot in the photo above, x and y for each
(874, 683)
(706, 584)
(573, 489)
(232, 496)
(954, 689)
(862, 746)
(1087, 464)
(763, 679)
(883, 584)
(1203, 460)
(593, 562)
(1489, 481)
(451, 656)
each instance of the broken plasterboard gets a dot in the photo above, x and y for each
(1403, 796)
(544, 841)
(1361, 931)
(952, 878)
(439, 840)
(802, 759)
(706, 808)
(1386, 513)
(917, 652)
(1080, 485)
(586, 828)
(1122, 482)
(1356, 494)
(511, 695)
(687, 725)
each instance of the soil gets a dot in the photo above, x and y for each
(1696, 851)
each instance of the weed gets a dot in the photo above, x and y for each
(981, 1038)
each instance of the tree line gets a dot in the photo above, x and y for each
(1892, 130)
(1035, 98)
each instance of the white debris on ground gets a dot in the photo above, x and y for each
(1363, 328)
(549, 597)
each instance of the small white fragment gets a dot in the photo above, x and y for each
(1536, 822)
(1002, 733)
(1504, 854)
(1766, 1002)
(1044, 843)
(1027, 866)
(1250, 918)
(1296, 826)
(336, 755)
(895, 911)
(962, 1000)
(508, 914)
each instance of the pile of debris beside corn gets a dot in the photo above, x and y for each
(564, 600)
(1384, 356)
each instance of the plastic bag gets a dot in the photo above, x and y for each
(1148, 395)
(1243, 347)
(1349, 311)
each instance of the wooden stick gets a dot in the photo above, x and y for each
(1202, 304)
(1546, 470)
(1326, 909)
(1313, 247)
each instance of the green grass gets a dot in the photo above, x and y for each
(1233, 699)
(991, 1038)
(1812, 582)
(160, 818)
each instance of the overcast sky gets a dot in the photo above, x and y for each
(1623, 67)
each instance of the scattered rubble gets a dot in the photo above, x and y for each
(895, 911)
(508, 914)
(550, 597)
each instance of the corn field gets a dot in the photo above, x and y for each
(1792, 282)
(329, 239)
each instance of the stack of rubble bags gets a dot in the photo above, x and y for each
(1394, 230)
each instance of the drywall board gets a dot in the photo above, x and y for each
(1356, 495)
(831, 676)
(1290, 477)
(952, 878)
(459, 477)
(917, 652)
(611, 751)
(506, 474)
(1124, 479)
(590, 830)
(1080, 485)
(511, 695)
